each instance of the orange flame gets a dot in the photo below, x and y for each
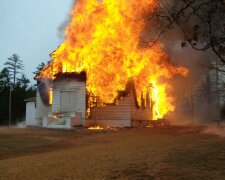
(96, 128)
(103, 40)
(50, 96)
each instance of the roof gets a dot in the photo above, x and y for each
(73, 75)
(32, 99)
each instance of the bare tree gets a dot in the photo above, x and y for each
(202, 23)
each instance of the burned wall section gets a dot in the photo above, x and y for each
(44, 88)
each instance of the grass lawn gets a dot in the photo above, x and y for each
(160, 153)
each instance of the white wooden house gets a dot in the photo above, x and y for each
(62, 104)
(68, 105)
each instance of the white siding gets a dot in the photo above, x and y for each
(65, 105)
(30, 113)
(68, 101)
(56, 101)
(72, 101)
(76, 88)
(41, 109)
(141, 114)
(113, 115)
(120, 115)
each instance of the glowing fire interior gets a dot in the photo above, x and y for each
(50, 96)
(103, 39)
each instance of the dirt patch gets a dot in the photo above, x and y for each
(215, 130)
(162, 153)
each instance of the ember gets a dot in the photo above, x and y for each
(96, 128)
(102, 39)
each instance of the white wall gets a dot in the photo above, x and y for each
(118, 115)
(30, 113)
(141, 114)
(41, 109)
(70, 85)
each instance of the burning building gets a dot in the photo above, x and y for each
(103, 73)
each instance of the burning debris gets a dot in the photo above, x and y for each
(103, 40)
(95, 128)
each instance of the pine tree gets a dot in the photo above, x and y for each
(23, 82)
(4, 78)
(14, 66)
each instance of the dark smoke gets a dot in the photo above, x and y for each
(44, 86)
(65, 23)
(194, 98)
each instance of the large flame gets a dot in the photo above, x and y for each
(103, 40)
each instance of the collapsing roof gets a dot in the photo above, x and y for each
(130, 89)
(73, 75)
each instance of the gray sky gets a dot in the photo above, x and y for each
(31, 28)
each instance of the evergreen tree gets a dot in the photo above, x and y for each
(4, 95)
(39, 68)
(14, 66)
(21, 91)
(23, 82)
(4, 78)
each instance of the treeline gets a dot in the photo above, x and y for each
(12, 80)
